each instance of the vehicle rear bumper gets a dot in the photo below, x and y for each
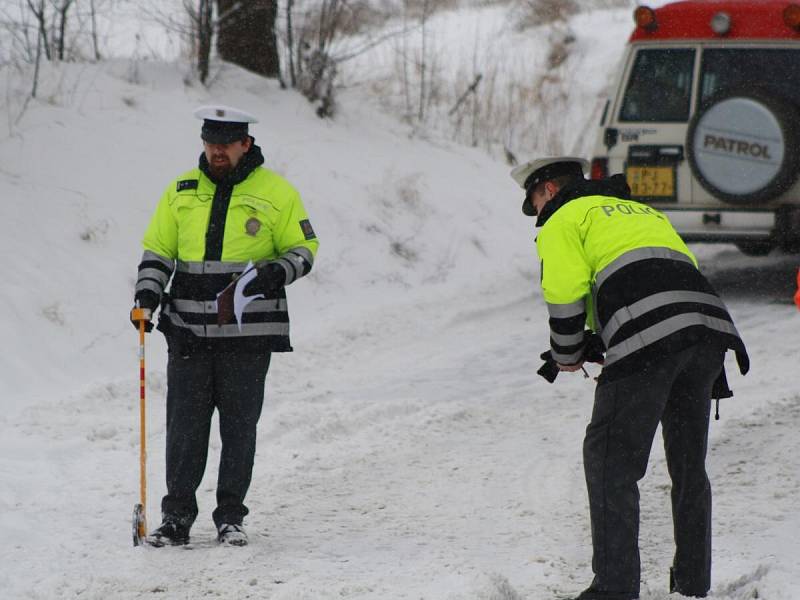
(733, 225)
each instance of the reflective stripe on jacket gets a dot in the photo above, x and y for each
(619, 267)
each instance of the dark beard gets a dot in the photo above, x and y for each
(221, 171)
(232, 176)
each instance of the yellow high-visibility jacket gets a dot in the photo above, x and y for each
(205, 233)
(620, 268)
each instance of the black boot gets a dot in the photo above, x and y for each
(170, 532)
(231, 534)
(673, 588)
(591, 594)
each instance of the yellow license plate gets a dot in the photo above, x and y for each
(651, 181)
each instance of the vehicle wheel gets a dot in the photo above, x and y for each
(744, 145)
(755, 248)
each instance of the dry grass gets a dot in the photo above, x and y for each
(534, 13)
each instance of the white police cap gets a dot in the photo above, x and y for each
(225, 114)
(224, 124)
(544, 168)
(534, 172)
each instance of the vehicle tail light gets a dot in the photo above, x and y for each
(599, 168)
(645, 17)
(791, 16)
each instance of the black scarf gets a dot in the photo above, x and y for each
(222, 196)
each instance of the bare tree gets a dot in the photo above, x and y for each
(316, 65)
(40, 40)
(317, 57)
(62, 9)
(93, 16)
(66, 29)
(422, 60)
(196, 30)
(41, 18)
(404, 58)
(205, 32)
(290, 42)
(18, 33)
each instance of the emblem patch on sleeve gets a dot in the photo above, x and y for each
(187, 184)
(308, 231)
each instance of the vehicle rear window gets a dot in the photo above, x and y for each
(779, 70)
(660, 86)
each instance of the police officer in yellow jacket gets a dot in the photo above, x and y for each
(618, 267)
(210, 223)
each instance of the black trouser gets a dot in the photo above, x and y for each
(197, 383)
(677, 392)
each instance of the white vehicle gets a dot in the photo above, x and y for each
(704, 120)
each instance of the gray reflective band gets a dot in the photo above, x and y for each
(167, 262)
(210, 306)
(157, 274)
(212, 267)
(567, 359)
(302, 252)
(663, 329)
(645, 305)
(149, 284)
(565, 311)
(294, 262)
(232, 330)
(637, 255)
(566, 340)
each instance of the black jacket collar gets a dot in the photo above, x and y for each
(614, 186)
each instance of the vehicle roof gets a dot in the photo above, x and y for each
(750, 19)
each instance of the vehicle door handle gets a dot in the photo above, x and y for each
(610, 136)
(712, 218)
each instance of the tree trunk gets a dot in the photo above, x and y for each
(204, 35)
(39, 42)
(246, 35)
(290, 42)
(40, 19)
(62, 27)
(95, 45)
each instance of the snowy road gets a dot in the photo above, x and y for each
(422, 458)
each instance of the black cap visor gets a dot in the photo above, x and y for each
(528, 209)
(223, 132)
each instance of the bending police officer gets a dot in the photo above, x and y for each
(619, 266)
(209, 224)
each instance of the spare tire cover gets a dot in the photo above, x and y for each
(743, 146)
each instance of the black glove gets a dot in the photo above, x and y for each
(270, 278)
(149, 301)
(549, 370)
(593, 351)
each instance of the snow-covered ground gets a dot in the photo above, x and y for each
(407, 448)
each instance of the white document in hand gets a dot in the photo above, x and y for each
(240, 301)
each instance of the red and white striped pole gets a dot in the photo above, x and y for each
(140, 511)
